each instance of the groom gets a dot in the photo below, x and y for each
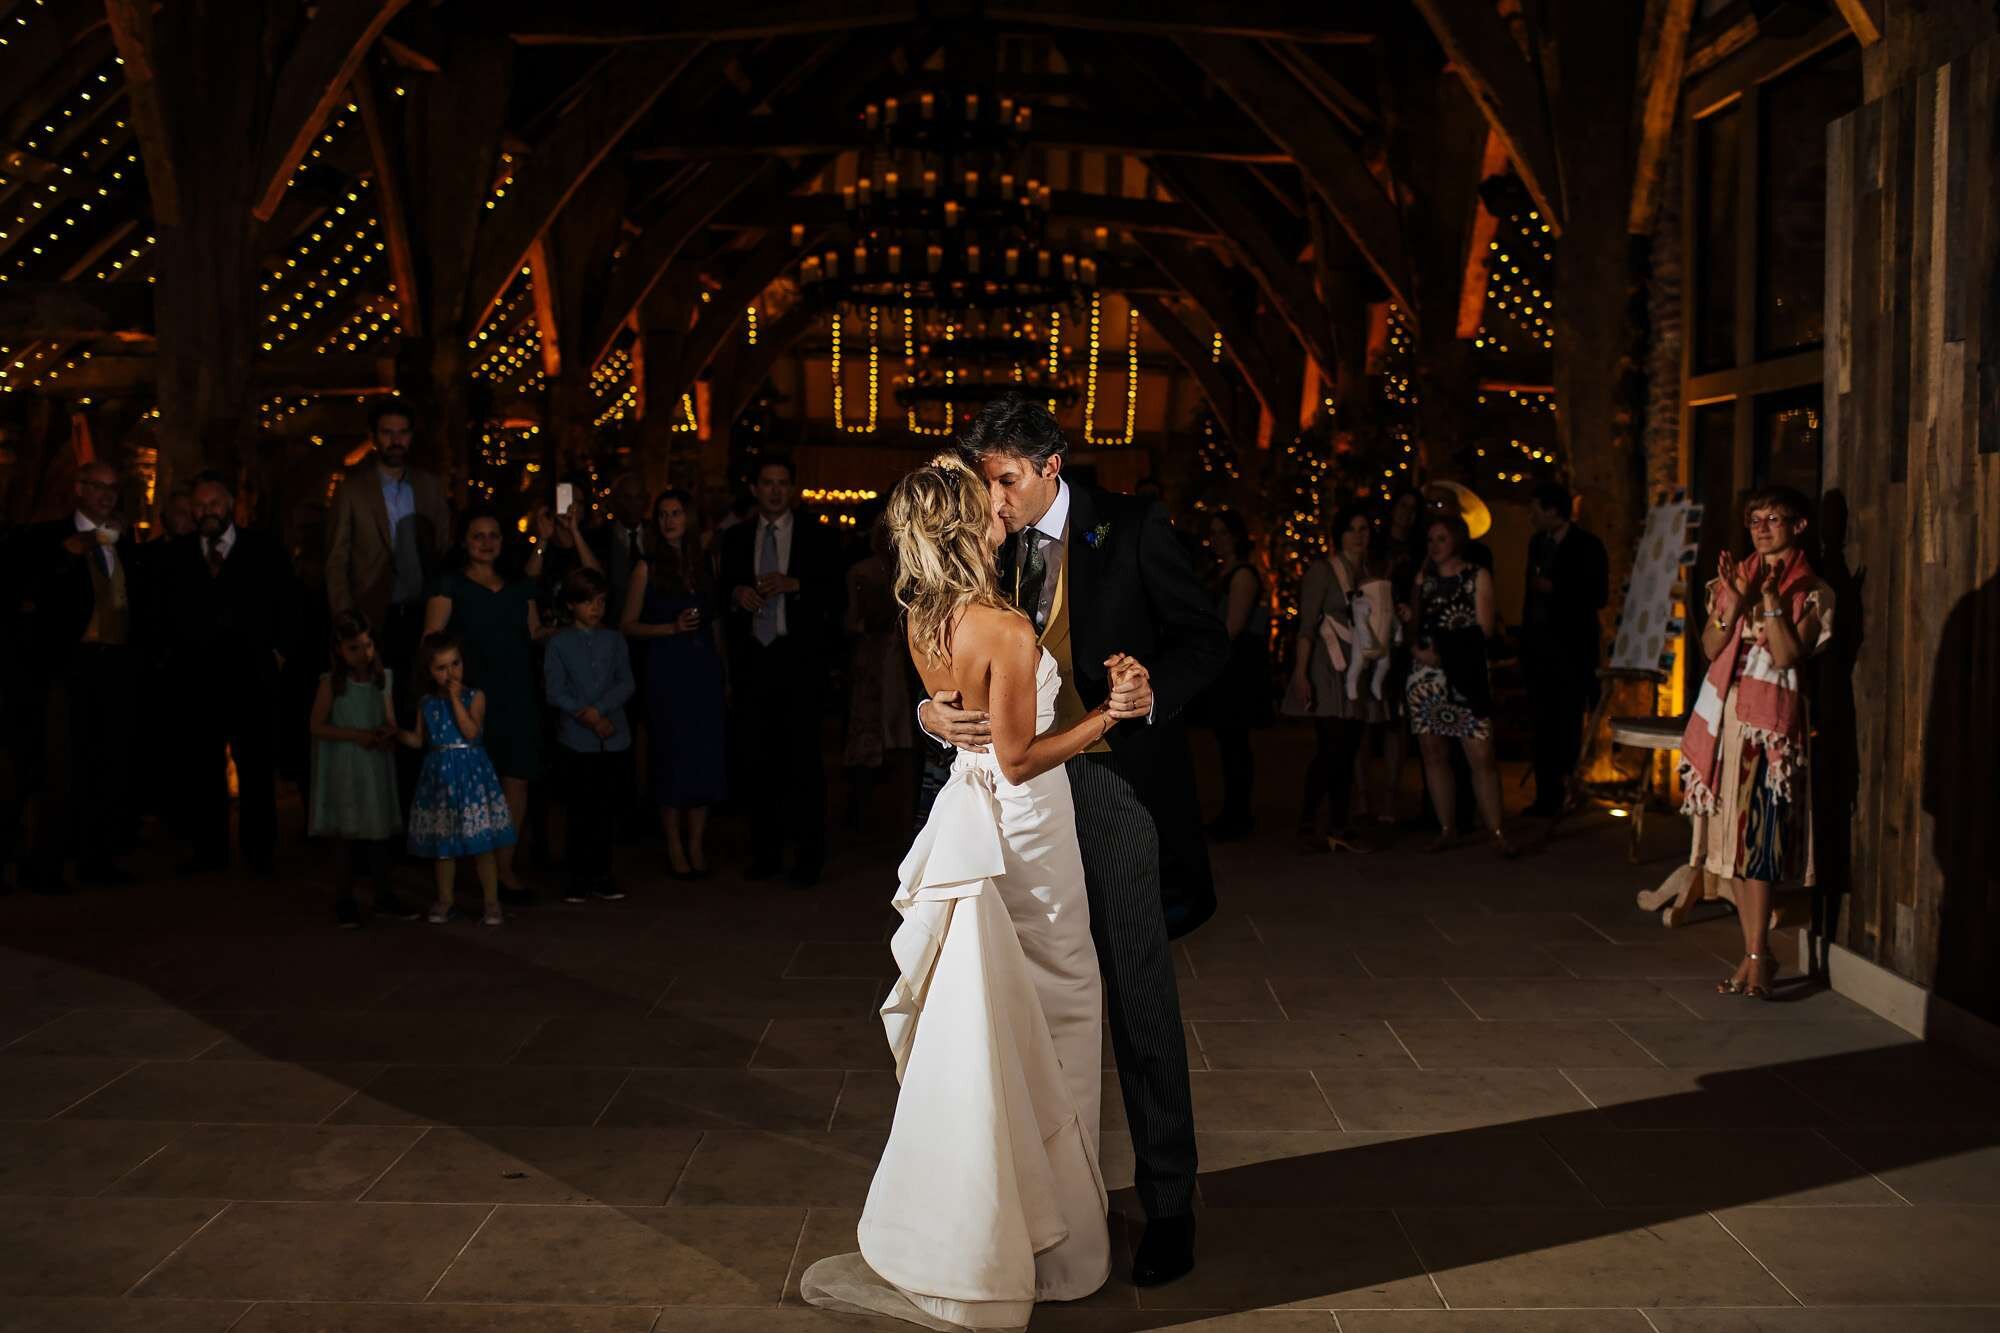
(1102, 574)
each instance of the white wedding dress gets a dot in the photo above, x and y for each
(988, 1197)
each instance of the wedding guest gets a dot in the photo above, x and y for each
(1449, 695)
(498, 623)
(1745, 757)
(621, 542)
(1569, 582)
(85, 589)
(232, 619)
(388, 534)
(588, 670)
(671, 608)
(1240, 698)
(176, 515)
(879, 700)
(1318, 688)
(783, 581)
(459, 808)
(354, 802)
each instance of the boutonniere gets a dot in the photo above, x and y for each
(1095, 537)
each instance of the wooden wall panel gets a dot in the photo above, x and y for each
(1913, 227)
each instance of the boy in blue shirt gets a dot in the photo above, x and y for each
(588, 671)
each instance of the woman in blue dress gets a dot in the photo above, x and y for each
(459, 808)
(497, 621)
(671, 605)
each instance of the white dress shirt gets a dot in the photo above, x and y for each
(107, 555)
(783, 523)
(221, 544)
(1048, 530)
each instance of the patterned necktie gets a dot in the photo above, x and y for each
(764, 625)
(1031, 568)
(215, 558)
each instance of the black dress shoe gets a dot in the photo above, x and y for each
(1166, 1251)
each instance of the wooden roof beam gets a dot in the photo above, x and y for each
(534, 22)
(1863, 17)
(1331, 165)
(1074, 130)
(314, 81)
(1192, 351)
(1662, 58)
(1203, 279)
(739, 373)
(1504, 84)
(563, 158)
(391, 207)
(762, 266)
(132, 28)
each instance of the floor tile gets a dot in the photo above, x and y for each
(1058, 1319)
(138, 1034)
(1685, 1045)
(1250, 957)
(35, 1088)
(824, 1043)
(1256, 1099)
(800, 1101)
(635, 1256)
(1857, 1093)
(1526, 1045)
(868, 1100)
(486, 1095)
(1430, 1099)
(1515, 928)
(1516, 999)
(539, 1165)
(233, 1091)
(868, 960)
(1658, 961)
(74, 1157)
(1704, 1169)
(667, 1041)
(1514, 1258)
(737, 997)
(319, 1251)
(1928, 1255)
(90, 1247)
(1821, 1319)
(1355, 1170)
(374, 1038)
(305, 1162)
(293, 1317)
(1305, 1044)
(1368, 997)
(1227, 997)
(1793, 1003)
(1311, 1257)
(1457, 960)
(119, 1315)
(1694, 1098)
(1929, 1165)
(811, 1170)
(1493, 1321)
(535, 992)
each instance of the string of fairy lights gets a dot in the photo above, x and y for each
(840, 421)
(332, 261)
(1519, 286)
(1090, 432)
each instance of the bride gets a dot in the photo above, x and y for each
(988, 1197)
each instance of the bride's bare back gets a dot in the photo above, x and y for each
(993, 668)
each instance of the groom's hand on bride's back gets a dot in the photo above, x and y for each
(941, 717)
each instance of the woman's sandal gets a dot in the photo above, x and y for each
(1734, 985)
(1343, 842)
(1508, 851)
(1443, 842)
(1760, 987)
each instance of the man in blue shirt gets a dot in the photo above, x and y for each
(589, 679)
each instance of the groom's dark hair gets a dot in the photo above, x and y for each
(1014, 424)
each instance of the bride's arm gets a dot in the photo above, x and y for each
(1012, 660)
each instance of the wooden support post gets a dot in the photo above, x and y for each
(323, 61)
(1662, 57)
(132, 27)
(1504, 84)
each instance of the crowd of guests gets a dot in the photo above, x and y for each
(1396, 629)
(456, 682)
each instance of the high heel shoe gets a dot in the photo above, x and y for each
(1733, 984)
(1759, 987)
(1443, 842)
(1508, 851)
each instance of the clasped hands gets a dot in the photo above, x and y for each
(597, 722)
(751, 597)
(1131, 698)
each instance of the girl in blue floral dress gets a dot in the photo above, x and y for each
(459, 808)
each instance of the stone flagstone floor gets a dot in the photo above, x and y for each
(1437, 1094)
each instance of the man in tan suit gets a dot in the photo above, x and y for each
(391, 526)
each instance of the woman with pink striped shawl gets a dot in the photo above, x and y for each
(1744, 757)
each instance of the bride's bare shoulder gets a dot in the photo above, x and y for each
(990, 631)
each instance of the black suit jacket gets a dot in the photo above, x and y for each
(812, 616)
(1132, 590)
(59, 595)
(224, 630)
(1569, 639)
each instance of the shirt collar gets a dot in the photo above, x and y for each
(225, 541)
(84, 523)
(783, 523)
(1051, 524)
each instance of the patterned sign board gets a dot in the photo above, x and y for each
(1648, 626)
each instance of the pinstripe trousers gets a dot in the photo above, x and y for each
(1121, 871)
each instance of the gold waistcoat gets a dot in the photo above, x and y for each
(1055, 638)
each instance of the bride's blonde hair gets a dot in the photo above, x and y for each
(940, 517)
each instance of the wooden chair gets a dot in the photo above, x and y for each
(1642, 731)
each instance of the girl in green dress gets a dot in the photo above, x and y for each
(354, 768)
